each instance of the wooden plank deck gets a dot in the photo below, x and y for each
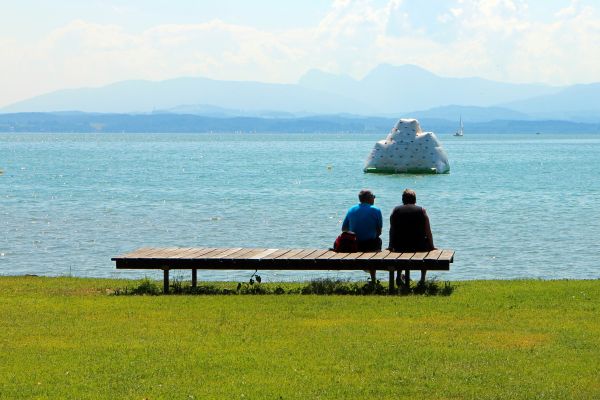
(280, 259)
(211, 258)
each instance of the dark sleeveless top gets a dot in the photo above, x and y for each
(407, 229)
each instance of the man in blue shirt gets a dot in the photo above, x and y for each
(366, 221)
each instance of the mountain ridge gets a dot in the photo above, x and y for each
(386, 90)
(78, 122)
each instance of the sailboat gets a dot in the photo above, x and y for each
(460, 132)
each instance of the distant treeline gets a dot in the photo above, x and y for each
(185, 123)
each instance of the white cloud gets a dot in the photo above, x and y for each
(456, 12)
(564, 51)
(557, 51)
(495, 39)
(567, 11)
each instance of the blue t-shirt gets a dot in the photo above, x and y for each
(365, 220)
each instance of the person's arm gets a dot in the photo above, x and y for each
(346, 224)
(392, 233)
(379, 224)
(428, 231)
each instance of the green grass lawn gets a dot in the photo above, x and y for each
(69, 338)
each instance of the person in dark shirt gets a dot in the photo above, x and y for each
(409, 228)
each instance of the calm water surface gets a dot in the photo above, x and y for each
(513, 206)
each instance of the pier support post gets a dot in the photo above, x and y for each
(166, 281)
(391, 288)
(407, 280)
(194, 278)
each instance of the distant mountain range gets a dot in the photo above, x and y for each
(406, 89)
(384, 94)
(186, 123)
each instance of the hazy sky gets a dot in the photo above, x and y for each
(50, 45)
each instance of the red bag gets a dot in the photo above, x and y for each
(346, 242)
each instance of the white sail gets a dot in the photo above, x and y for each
(460, 131)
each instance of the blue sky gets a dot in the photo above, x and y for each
(51, 45)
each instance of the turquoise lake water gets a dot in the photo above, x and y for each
(513, 206)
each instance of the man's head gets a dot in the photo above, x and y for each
(409, 197)
(366, 196)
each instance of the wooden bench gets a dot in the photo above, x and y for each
(209, 258)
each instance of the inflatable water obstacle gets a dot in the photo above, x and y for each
(408, 150)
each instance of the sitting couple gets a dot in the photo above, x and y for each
(409, 226)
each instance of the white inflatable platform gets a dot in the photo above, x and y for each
(407, 149)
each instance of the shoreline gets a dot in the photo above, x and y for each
(100, 278)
